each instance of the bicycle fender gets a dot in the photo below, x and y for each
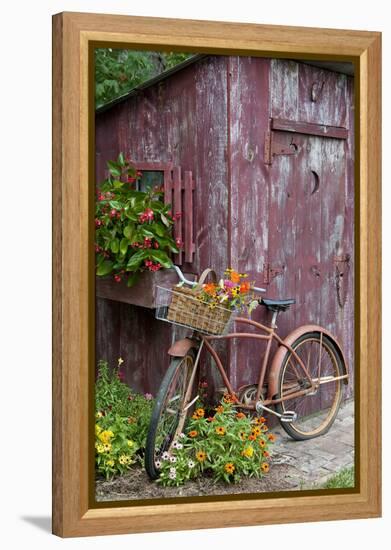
(282, 351)
(181, 347)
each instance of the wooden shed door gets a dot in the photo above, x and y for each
(308, 255)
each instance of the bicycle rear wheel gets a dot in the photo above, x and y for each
(316, 412)
(169, 414)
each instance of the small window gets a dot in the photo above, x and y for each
(150, 179)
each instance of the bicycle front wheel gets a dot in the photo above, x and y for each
(317, 410)
(169, 413)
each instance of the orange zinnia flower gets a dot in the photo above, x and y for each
(240, 415)
(229, 468)
(228, 398)
(201, 456)
(220, 430)
(256, 431)
(193, 433)
(266, 454)
(245, 287)
(210, 288)
(211, 419)
(200, 413)
(271, 437)
(252, 437)
(235, 277)
(220, 409)
(265, 428)
(262, 442)
(265, 467)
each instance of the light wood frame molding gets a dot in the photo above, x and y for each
(73, 273)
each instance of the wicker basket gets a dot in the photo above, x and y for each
(185, 309)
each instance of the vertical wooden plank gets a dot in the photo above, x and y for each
(284, 89)
(107, 331)
(321, 96)
(249, 115)
(188, 220)
(177, 208)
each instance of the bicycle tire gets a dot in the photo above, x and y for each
(303, 427)
(157, 417)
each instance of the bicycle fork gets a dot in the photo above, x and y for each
(186, 407)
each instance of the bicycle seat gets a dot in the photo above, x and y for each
(277, 305)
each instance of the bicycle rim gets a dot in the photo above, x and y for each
(315, 412)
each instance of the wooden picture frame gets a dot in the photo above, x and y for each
(73, 274)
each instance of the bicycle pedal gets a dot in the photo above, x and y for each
(288, 416)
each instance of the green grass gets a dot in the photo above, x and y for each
(342, 479)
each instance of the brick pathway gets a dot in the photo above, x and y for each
(312, 462)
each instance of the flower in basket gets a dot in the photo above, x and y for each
(232, 292)
(133, 229)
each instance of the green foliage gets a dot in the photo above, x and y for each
(133, 229)
(122, 422)
(118, 71)
(341, 480)
(227, 446)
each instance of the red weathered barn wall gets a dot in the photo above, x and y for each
(211, 118)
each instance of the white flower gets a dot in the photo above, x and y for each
(182, 435)
(172, 458)
(175, 444)
(172, 470)
(191, 464)
(165, 455)
(172, 475)
(158, 463)
(179, 445)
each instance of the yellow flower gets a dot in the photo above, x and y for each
(248, 451)
(265, 467)
(98, 429)
(200, 412)
(100, 448)
(107, 447)
(106, 436)
(130, 443)
(220, 430)
(256, 431)
(110, 462)
(99, 414)
(123, 459)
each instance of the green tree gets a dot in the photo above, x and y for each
(118, 71)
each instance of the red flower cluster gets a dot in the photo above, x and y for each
(146, 216)
(152, 266)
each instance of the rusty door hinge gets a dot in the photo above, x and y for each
(270, 273)
(342, 267)
(275, 147)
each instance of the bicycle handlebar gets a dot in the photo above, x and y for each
(191, 283)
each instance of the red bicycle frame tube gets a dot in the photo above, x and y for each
(271, 334)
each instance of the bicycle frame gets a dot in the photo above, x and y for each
(268, 337)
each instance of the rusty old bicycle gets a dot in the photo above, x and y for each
(301, 384)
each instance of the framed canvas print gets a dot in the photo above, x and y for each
(216, 300)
